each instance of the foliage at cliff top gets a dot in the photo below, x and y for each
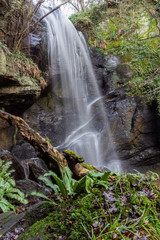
(130, 29)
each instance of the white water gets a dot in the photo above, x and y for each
(87, 129)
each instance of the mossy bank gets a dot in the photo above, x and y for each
(127, 207)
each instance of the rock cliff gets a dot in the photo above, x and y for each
(20, 81)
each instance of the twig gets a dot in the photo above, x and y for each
(54, 9)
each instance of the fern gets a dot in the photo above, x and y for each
(7, 188)
(41, 195)
(59, 183)
(4, 170)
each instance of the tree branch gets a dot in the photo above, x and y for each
(152, 15)
(45, 150)
(39, 20)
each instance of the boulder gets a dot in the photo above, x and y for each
(8, 221)
(27, 186)
(18, 173)
(6, 135)
(34, 168)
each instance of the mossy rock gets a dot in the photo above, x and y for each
(89, 167)
(72, 156)
(65, 220)
(38, 212)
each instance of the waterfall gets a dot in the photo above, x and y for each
(86, 127)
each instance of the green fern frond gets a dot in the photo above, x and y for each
(7, 188)
(59, 182)
(41, 195)
(5, 168)
(61, 168)
(5, 205)
(49, 183)
(1, 163)
(17, 197)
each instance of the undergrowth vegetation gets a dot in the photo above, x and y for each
(131, 30)
(7, 189)
(125, 206)
(102, 206)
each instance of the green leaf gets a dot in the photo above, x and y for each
(84, 184)
(88, 184)
(7, 189)
(79, 185)
(67, 180)
(94, 175)
(59, 165)
(102, 183)
(105, 176)
(41, 195)
(59, 183)
(5, 168)
(17, 197)
(5, 205)
(49, 183)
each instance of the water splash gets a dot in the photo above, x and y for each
(88, 133)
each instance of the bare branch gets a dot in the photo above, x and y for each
(152, 15)
(74, 6)
(54, 9)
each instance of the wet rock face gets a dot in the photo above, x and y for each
(27, 186)
(21, 84)
(134, 130)
(35, 46)
(47, 117)
(134, 126)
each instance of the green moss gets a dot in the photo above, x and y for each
(72, 154)
(38, 212)
(89, 167)
(65, 220)
(130, 199)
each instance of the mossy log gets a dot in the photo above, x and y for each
(45, 150)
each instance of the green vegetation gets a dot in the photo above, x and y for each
(86, 21)
(72, 155)
(7, 188)
(2, 45)
(89, 167)
(131, 30)
(126, 207)
(68, 186)
(107, 205)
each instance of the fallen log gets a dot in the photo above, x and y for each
(45, 150)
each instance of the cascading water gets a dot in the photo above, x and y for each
(87, 131)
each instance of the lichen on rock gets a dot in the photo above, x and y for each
(21, 81)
